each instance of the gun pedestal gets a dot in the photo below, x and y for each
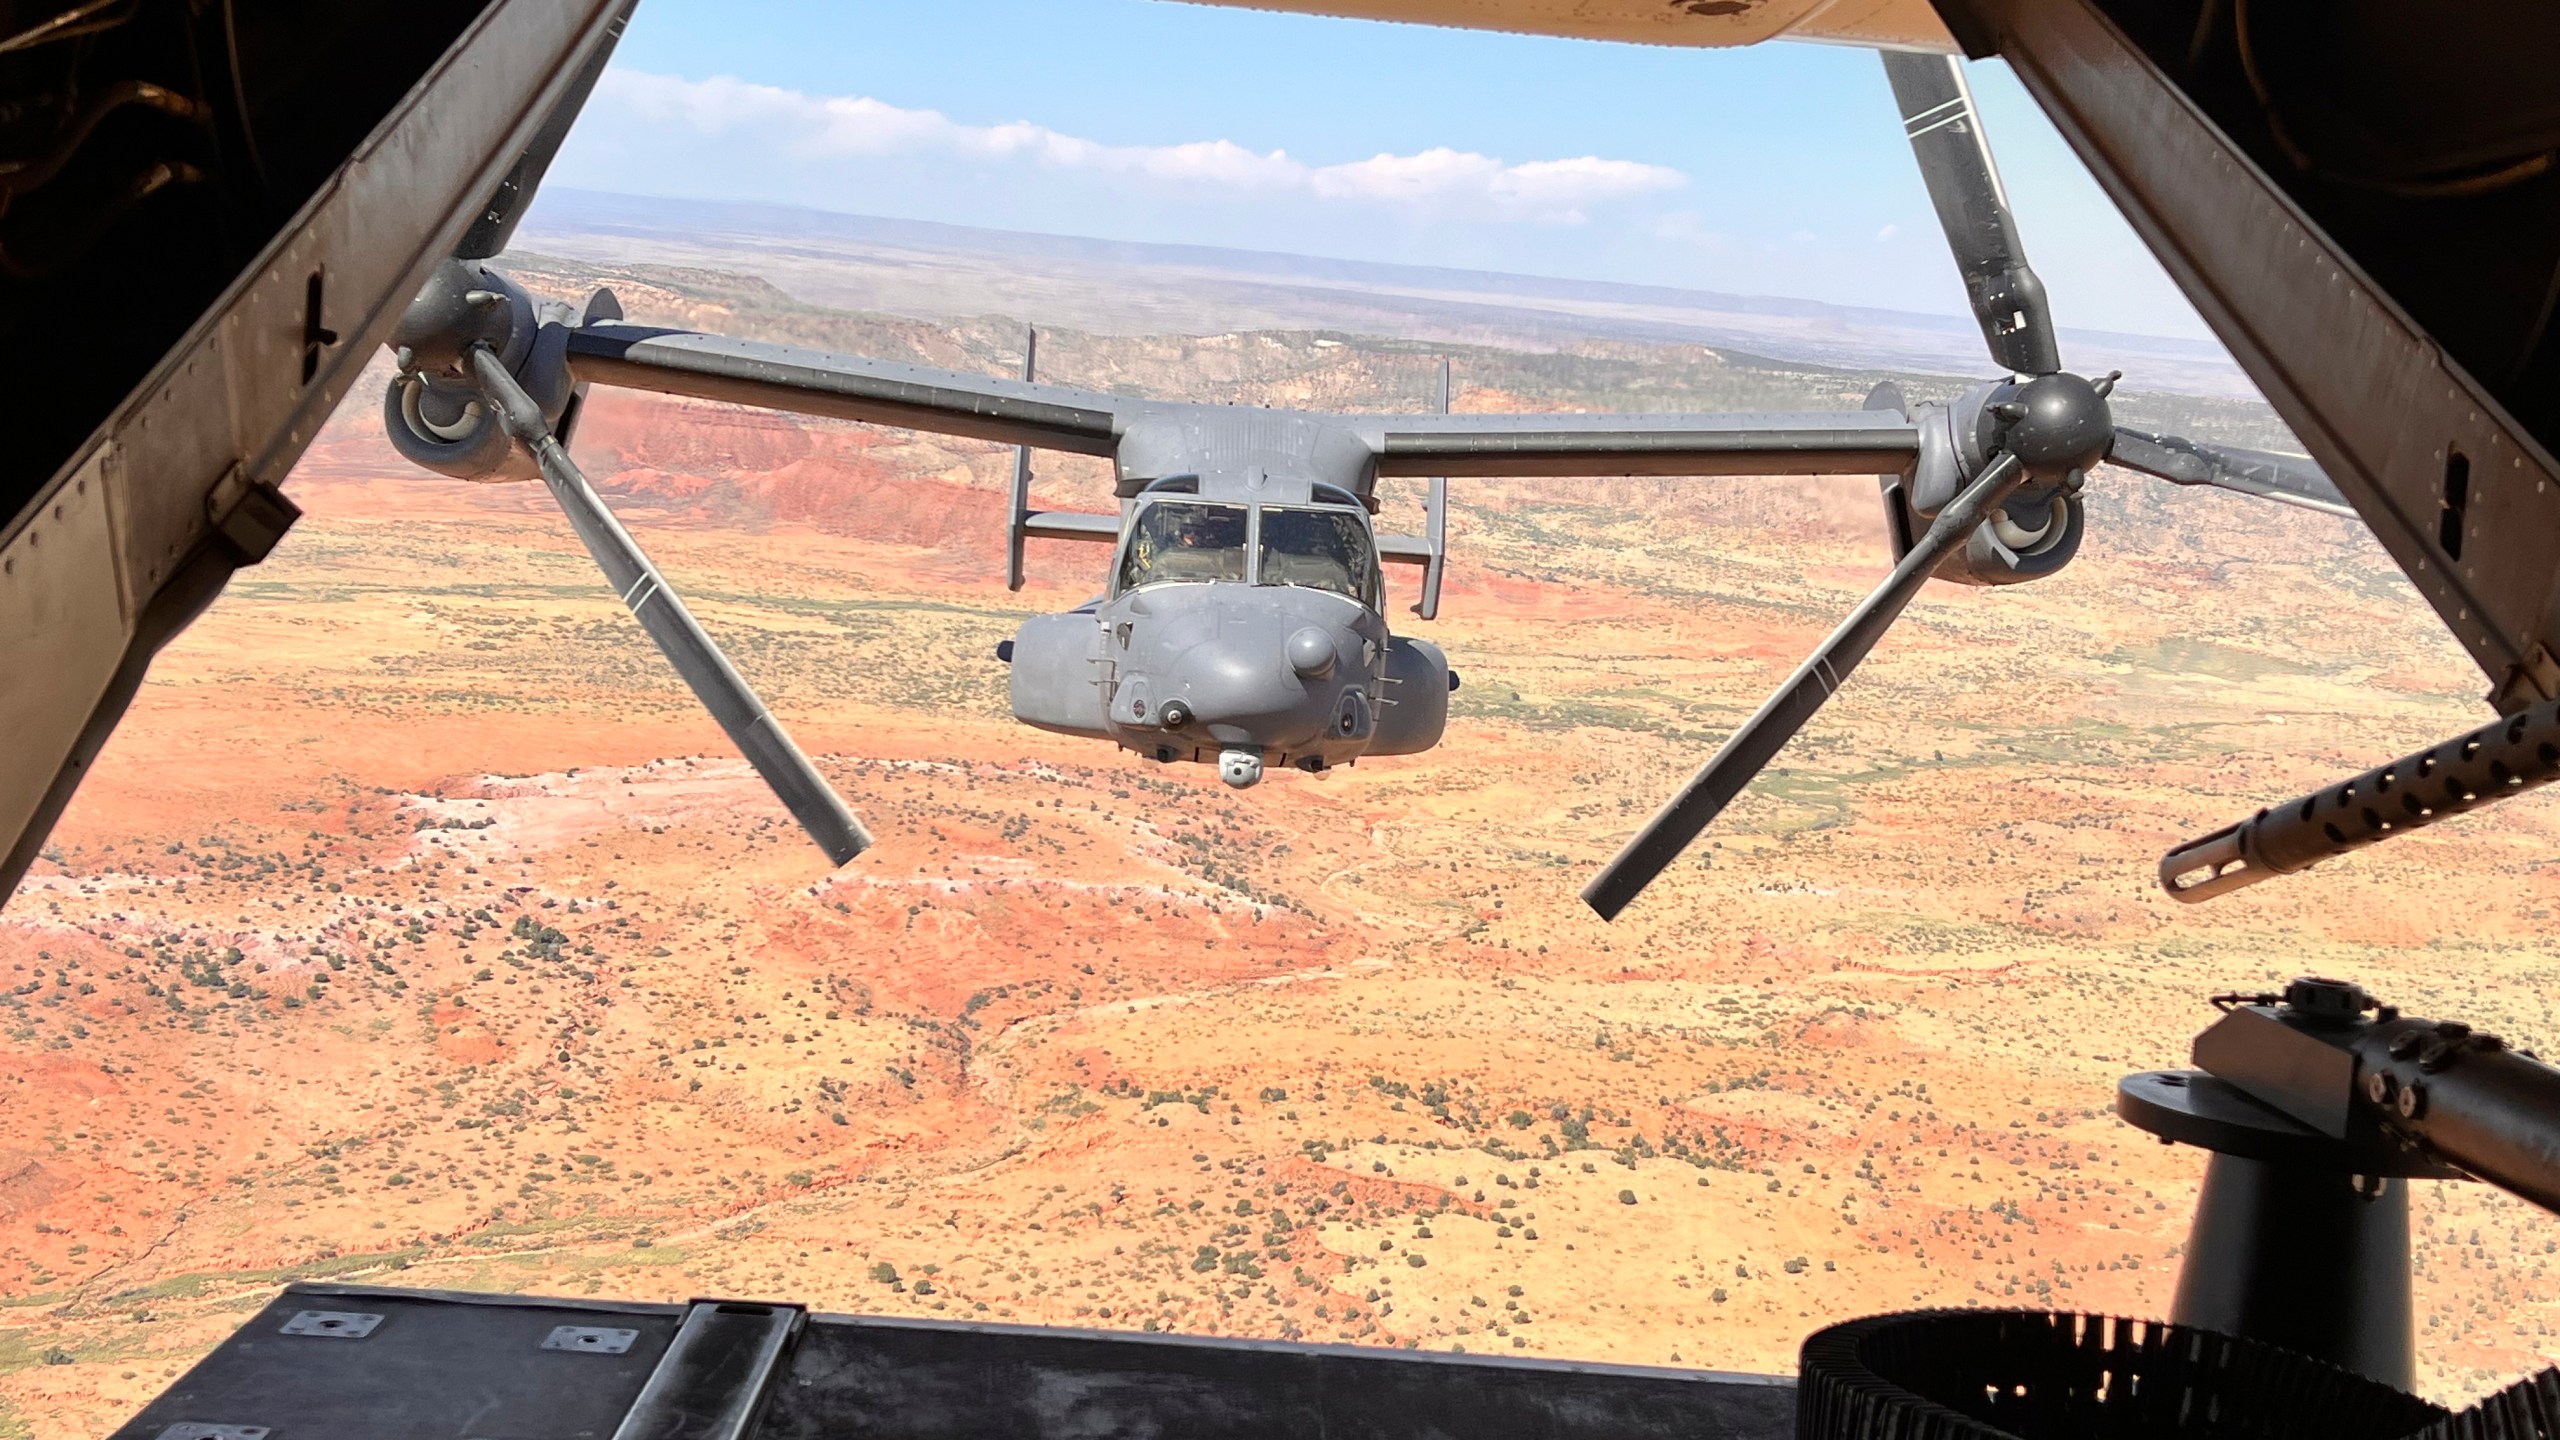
(2299, 1240)
(2318, 1107)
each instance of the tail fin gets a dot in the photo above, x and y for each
(1435, 523)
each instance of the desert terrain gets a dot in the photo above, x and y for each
(417, 927)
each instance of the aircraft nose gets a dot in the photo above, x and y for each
(1274, 675)
(1311, 653)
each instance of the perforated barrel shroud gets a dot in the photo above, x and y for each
(2045, 1375)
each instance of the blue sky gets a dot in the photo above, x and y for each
(1776, 170)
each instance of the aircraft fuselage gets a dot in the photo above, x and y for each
(1243, 626)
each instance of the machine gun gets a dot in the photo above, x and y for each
(2292, 1312)
(2508, 757)
(2319, 1105)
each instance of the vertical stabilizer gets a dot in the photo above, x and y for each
(1435, 523)
(1018, 526)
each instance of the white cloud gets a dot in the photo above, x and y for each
(1886, 233)
(818, 128)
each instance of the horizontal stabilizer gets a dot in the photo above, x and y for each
(1405, 550)
(1070, 525)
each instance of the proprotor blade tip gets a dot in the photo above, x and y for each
(1608, 894)
(845, 845)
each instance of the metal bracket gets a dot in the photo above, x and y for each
(714, 1380)
(332, 1324)
(590, 1339)
(2534, 679)
(250, 515)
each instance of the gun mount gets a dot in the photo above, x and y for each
(2319, 1105)
(2292, 1312)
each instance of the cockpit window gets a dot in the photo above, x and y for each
(1184, 540)
(1324, 549)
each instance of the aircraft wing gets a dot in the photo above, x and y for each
(1846, 442)
(1857, 442)
(1090, 422)
(849, 387)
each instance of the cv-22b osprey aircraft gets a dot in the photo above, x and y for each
(1243, 621)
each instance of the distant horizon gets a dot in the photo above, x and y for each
(941, 271)
(534, 223)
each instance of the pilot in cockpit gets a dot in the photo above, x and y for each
(1181, 540)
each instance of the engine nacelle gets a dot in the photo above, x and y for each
(2003, 551)
(1417, 708)
(441, 425)
(434, 415)
(1055, 681)
(2034, 535)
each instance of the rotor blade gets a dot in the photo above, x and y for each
(1964, 186)
(2286, 479)
(1752, 747)
(497, 223)
(680, 637)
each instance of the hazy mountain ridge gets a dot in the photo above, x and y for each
(933, 271)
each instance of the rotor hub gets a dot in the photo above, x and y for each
(464, 303)
(2058, 423)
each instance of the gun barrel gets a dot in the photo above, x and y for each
(2507, 757)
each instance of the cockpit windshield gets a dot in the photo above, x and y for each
(1184, 540)
(1324, 549)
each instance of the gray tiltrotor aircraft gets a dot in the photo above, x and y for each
(1244, 622)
